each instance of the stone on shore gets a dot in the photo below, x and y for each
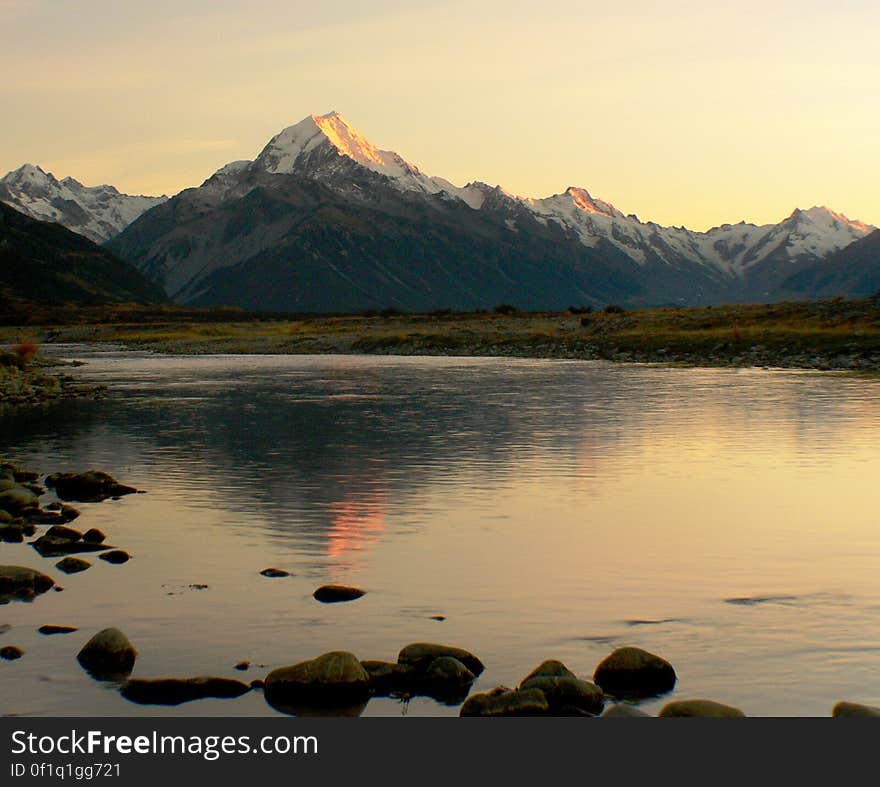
(419, 655)
(503, 702)
(11, 653)
(93, 486)
(334, 680)
(175, 691)
(568, 696)
(633, 672)
(699, 709)
(108, 655)
(94, 536)
(550, 669)
(22, 582)
(72, 565)
(853, 710)
(333, 594)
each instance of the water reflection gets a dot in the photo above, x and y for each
(539, 509)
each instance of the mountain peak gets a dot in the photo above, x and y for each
(27, 172)
(823, 216)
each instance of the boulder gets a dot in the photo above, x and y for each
(94, 536)
(11, 653)
(22, 582)
(568, 696)
(115, 556)
(50, 630)
(333, 594)
(446, 680)
(633, 672)
(551, 669)
(702, 709)
(387, 677)
(419, 655)
(16, 499)
(852, 710)
(622, 710)
(50, 546)
(92, 486)
(72, 565)
(108, 655)
(335, 683)
(175, 691)
(528, 702)
(64, 533)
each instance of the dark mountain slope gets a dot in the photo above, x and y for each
(47, 263)
(852, 272)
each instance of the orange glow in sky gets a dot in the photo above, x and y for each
(683, 112)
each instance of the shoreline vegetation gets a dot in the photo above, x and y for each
(840, 335)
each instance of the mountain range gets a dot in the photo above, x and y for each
(323, 220)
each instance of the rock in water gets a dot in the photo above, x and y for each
(94, 536)
(92, 486)
(528, 702)
(175, 691)
(447, 680)
(419, 655)
(63, 533)
(633, 672)
(11, 653)
(388, 677)
(701, 709)
(852, 710)
(273, 573)
(335, 681)
(56, 547)
(621, 710)
(333, 594)
(115, 556)
(108, 655)
(16, 499)
(49, 630)
(23, 583)
(550, 669)
(72, 565)
(568, 696)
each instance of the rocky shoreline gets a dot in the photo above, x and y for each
(337, 683)
(40, 384)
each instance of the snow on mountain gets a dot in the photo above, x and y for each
(325, 147)
(98, 212)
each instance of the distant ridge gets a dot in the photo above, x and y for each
(45, 263)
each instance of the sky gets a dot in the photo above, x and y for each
(682, 112)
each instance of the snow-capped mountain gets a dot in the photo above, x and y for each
(98, 212)
(319, 191)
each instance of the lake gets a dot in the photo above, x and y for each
(723, 519)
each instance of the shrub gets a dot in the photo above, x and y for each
(505, 308)
(26, 350)
(613, 308)
(580, 309)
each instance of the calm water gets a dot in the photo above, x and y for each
(548, 509)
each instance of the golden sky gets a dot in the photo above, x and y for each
(682, 112)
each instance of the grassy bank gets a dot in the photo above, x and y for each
(835, 334)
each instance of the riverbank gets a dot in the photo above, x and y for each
(39, 382)
(838, 334)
